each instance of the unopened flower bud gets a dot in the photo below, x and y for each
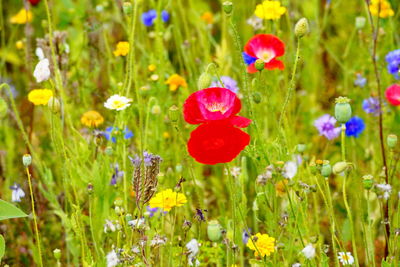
(127, 7)
(368, 181)
(27, 160)
(301, 148)
(339, 167)
(326, 170)
(228, 7)
(214, 231)
(301, 28)
(57, 254)
(257, 97)
(391, 140)
(204, 80)
(174, 113)
(259, 64)
(186, 225)
(3, 108)
(342, 109)
(90, 188)
(54, 105)
(360, 22)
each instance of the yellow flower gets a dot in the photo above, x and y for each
(19, 44)
(166, 135)
(40, 96)
(151, 67)
(167, 199)
(270, 10)
(280, 187)
(262, 243)
(92, 119)
(122, 49)
(383, 6)
(22, 17)
(207, 17)
(175, 81)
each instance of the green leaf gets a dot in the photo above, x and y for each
(2, 247)
(9, 211)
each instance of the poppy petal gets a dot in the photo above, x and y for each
(260, 42)
(275, 64)
(240, 121)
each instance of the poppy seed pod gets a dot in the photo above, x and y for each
(391, 141)
(174, 113)
(301, 148)
(326, 170)
(27, 160)
(368, 181)
(57, 254)
(301, 28)
(204, 80)
(127, 8)
(259, 64)
(339, 167)
(214, 231)
(228, 7)
(342, 109)
(3, 108)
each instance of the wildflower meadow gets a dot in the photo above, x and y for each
(199, 133)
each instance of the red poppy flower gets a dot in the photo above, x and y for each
(213, 104)
(34, 2)
(266, 47)
(393, 94)
(216, 142)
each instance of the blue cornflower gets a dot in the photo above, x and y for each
(149, 17)
(360, 81)
(228, 82)
(246, 235)
(111, 133)
(393, 60)
(355, 126)
(248, 59)
(371, 105)
(165, 16)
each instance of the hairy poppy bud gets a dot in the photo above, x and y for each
(228, 7)
(392, 140)
(342, 109)
(339, 167)
(54, 105)
(27, 160)
(326, 170)
(301, 28)
(259, 64)
(257, 97)
(3, 108)
(214, 231)
(204, 80)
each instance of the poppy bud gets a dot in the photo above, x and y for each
(27, 160)
(301, 148)
(391, 141)
(360, 22)
(259, 64)
(214, 231)
(227, 6)
(3, 108)
(257, 97)
(57, 254)
(127, 7)
(174, 113)
(339, 167)
(342, 109)
(368, 181)
(204, 80)
(301, 28)
(326, 170)
(54, 105)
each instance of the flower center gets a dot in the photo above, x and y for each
(265, 55)
(214, 107)
(327, 127)
(118, 104)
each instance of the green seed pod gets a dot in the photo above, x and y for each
(301, 28)
(391, 141)
(257, 97)
(27, 160)
(214, 231)
(360, 22)
(127, 8)
(301, 148)
(3, 108)
(339, 167)
(259, 64)
(368, 181)
(204, 80)
(228, 7)
(174, 113)
(342, 109)
(178, 168)
(57, 254)
(326, 170)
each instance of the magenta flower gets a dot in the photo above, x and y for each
(326, 126)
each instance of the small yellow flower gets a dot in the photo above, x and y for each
(22, 17)
(166, 135)
(167, 199)
(92, 119)
(122, 49)
(19, 44)
(382, 7)
(175, 81)
(270, 10)
(207, 17)
(40, 96)
(280, 187)
(262, 243)
(151, 67)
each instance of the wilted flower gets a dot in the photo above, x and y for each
(229, 83)
(355, 126)
(23, 16)
(112, 259)
(371, 105)
(309, 251)
(40, 96)
(92, 118)
(17, 193)
(167, 199)
(262, 244)
(326, 126)
(270, 10)
(122, 49)
(346, 258)
(175, 81)
(42, 70)
(117, 102)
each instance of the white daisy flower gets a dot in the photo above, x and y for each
(42, 70)
(346, 258)
(117, 102)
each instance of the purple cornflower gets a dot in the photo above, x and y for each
(152, 211)
(17, 193)
(149, 17)
(117, 174)
(393, 60)
(355, 126)
(371, 105)
(246, 235)
(360, 81)
(111, 133)
(165, 16)
(326, 126)
(228, 82)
